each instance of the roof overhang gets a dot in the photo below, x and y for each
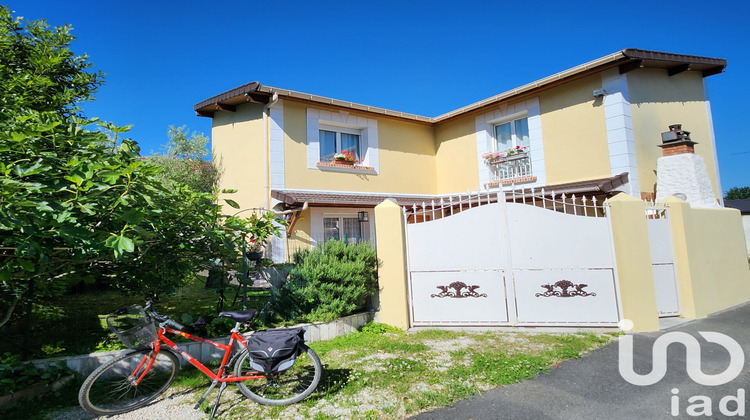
(296, 198)
(743, 205)
(626, 60)
(673, 63)
(593, 186)
(255, 92)
(229, 100)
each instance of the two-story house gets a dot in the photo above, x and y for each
(591, 129)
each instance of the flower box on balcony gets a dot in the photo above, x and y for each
(503, 159)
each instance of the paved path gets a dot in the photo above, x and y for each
(592, 387)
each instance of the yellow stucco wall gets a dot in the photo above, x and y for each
(710, 258)
(407, 158)
(657, 101)
(634, 273)
(237, 145)
(300, 238)
(574, 132)
(456, 157)
(392, 272)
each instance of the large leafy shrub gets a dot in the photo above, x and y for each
(332, 280)
(77, 202)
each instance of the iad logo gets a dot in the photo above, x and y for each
(701, 405)
(692, 364)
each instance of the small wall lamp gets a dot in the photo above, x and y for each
(363, 216)
(598, 93)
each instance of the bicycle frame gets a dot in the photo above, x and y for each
(217, 377)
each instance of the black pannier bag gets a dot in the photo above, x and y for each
(275, 350)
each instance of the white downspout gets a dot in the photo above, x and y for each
(266, 148)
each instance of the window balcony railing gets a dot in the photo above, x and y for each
(506, 170)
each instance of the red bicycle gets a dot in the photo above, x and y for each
(271, 367)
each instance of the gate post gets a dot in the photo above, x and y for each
(679, 212)
(634, 272)
(392, 274)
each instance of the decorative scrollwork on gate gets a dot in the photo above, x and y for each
(459, 292)
(564, 285)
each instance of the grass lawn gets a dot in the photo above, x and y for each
(76, 324)
(372, 375)
(379, 373)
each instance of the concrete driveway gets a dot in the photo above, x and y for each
(592, 388)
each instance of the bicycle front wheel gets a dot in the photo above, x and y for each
(283, 388)
(111, 388)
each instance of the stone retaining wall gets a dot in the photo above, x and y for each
(318, 331)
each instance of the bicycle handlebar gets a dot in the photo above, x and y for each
(163, 319)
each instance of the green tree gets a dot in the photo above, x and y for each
(187, 161)
(737, 193)
(77, 202)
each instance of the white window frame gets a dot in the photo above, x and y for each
(343, 120)
(513, 134)
(338, 130)
(340, 217)
(319, 214)
(486, 142)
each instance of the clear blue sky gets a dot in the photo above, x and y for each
(424, 57)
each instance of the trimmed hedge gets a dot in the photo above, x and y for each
(332, 280)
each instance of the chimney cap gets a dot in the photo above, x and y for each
(675, 133)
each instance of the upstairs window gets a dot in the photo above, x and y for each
(331, 132)
(512, 134)
(337, 140)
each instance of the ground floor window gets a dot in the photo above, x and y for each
(342, 228)
(342, 224)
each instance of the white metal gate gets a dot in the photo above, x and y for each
(662, 261)
(539, 260)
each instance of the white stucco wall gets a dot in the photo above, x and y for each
(685, 174)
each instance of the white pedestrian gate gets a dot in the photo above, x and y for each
(662, 261)
(539, 260)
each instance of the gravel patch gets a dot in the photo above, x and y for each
(176, 405)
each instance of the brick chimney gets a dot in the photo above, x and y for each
(676, 141)
(681, 172)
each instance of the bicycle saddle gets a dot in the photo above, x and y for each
(240, 316)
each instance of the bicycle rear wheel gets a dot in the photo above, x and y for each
(283, 388)
(110, 390)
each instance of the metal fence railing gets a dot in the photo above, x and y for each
(574, 204)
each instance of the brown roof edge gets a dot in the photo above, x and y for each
(710, 67)
(678, 58)
(257, 92)
(345, 199)
(348, 199)
(232, 93)
(602, 185)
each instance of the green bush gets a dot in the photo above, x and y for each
(378, 328)
(15, 376)
(331, 281)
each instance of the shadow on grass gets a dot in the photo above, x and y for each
(331, 383)
(57, 332)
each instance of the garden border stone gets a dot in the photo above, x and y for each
(316, 331)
